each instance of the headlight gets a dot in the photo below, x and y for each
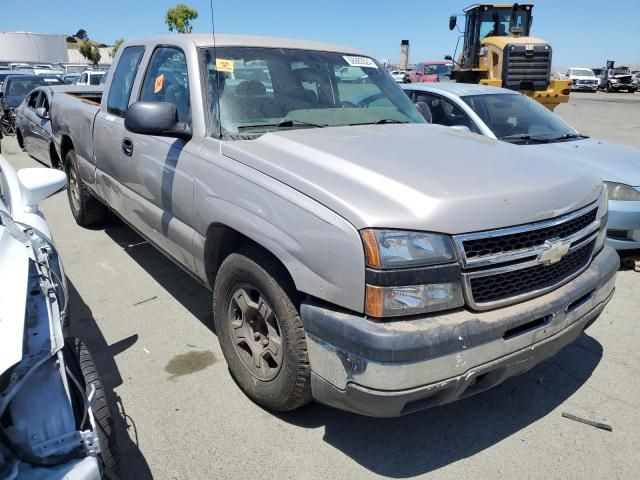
(603, 216)
(397, 249)
(622, 192)
(410, 273)
(412, 299)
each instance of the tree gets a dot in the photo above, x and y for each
(82, 34)
(116, 46)
(179, 18)
(90, 51)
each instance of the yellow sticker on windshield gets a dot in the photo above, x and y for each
(157, 88)
(223, 65)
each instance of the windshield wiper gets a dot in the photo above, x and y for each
(283, 123)
(525, 137)
(567, 136)
(382, 121)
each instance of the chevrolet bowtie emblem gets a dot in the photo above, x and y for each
(553, 251)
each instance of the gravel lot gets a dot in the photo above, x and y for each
(180, 415)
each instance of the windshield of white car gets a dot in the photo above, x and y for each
(582, 72)
(254, 90)
(516, 118)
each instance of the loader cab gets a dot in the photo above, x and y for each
(488, 20)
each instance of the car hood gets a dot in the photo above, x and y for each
(418, 176)
(14, 265)
(610, 162)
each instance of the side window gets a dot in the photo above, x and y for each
(444, 112)
(166, 80)
(33, 100)
(83, 79)
(123, 78)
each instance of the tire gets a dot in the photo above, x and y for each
(81, 364)
(280, 384)
(85, 208)
(609, 89)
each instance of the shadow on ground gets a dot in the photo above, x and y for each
(422, 442)
(82, 324)
(180, 285)
(426, 441)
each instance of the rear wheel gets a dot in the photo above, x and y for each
(260, 330)
(81, 364)
(85, 208)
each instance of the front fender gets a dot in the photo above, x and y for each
(322, 252)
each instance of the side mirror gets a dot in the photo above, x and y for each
(425, 111)
(448, 57)
(453, 21)
(418, 73)
(42, 112)
(461, 128)
(36, 184)
(156, 118)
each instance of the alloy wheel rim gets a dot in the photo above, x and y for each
(73, 188)
(255, 332)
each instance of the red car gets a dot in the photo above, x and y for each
(431, 71)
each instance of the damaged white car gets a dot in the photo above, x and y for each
(54, 417)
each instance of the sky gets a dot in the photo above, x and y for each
(581, 33)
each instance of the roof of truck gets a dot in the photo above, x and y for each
(225, 40)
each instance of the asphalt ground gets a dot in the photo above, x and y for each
(179, 414)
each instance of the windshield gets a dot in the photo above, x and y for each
(256, 90)
(496, 22)
(621, 71)
(582, 72)
(19, 87)
(518, 119)
(438, 69)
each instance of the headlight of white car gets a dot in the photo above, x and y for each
(622, 192)
(410, 273)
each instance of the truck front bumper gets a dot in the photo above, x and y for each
(392, 368)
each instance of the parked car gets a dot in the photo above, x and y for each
(55, 416)
(356, 255)
(400, 76)
(91, 77)
(431, 71)
(14, 90)
(33, 126)
(616, 79)
(635, 80)
(514, 118)
(582, 79)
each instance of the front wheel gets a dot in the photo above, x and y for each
(260, 330)
(609, 88)
(81, 365)
(85, 208)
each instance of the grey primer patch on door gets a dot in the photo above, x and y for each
(188, 363)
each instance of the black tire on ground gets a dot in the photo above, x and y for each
(80, 362)
(85, 208)
(609, 88)
(254, 269)
(20, 139)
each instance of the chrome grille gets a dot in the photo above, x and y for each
(483, 247)
(516, 283)
(504, 266)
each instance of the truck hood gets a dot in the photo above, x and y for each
(610, 162)
(418, 176)
(14, 265)
(582, 77)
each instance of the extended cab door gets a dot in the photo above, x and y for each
(108, 131)
(158, 171)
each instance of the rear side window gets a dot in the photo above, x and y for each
(166, 80)
(123, 78)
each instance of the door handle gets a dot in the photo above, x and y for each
(127, 147)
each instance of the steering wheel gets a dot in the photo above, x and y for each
(366, 101)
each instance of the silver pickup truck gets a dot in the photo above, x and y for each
(357, 255)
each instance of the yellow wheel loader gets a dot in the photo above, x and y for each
(499, 51)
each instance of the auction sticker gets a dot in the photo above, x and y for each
(223, 65)
(364, 62)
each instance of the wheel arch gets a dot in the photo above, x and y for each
(66, 144)
(53, 156)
